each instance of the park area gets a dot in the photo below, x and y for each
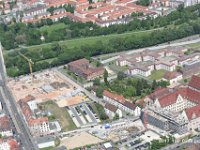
(157, 74)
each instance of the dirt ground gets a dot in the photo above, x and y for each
(27, 85)
(80, 140)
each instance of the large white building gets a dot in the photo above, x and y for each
(120, 102)
(37, 125)
(112, 111)
(183, 101)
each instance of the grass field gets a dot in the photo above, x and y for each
(61, 114)
(157, 74)
(48, 148)
(53, 27)
(194, 45)
(78, 42)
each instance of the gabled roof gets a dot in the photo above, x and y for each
(129, 105)
(5, 124)
(116, 97)
(159, 92)
(171, 98)
(111, 107)
(195, 82)
(187, 93)
(171, 75)
(193, 112)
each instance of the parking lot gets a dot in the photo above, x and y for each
(83, 115)
(138, 141)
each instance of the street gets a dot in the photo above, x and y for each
(10, 108)
(181, 42)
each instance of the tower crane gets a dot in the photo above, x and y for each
(30, 62)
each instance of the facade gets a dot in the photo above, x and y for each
(37, 125)
(112, 111)
(35, 11)
(82, 68)
(192, 115)
(172, 77)
(121, 103)
(5, 126)
(165, 120)
(182, 105)
(9, 144)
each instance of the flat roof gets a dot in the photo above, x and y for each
(44, 139)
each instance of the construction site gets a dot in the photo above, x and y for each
(47, 85)
(165, 120)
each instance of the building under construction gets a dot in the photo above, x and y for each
(164, 120)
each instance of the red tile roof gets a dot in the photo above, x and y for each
(193, 112)
(129, 105)
(79, 62)
(111, 107)
(171, 75)
(195, 82)
(159, 92)
(5, 123)
(37, 121)
(13, 144)
(187, 93)
(116, 97)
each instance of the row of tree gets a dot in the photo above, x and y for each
(17, 34)
(56, 54)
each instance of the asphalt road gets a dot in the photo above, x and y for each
(180, 42)
(71, 81)
(10, 107)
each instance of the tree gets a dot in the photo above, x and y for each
(120, 75)
(51, 9)
(154, 85)
(96, 82)
(105, 77)
(138, 88)
(99, 92)
(116, 117)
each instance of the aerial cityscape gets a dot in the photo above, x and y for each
(99, 75)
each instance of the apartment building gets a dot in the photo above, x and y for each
(164, 120)
(120, 102)
(145, 62)
(112, 110)
(37, 125)
(82, 68)
(182, 102)
(172, 77)
(5, 126)
(9, 144)
(192, 115)
(38, 10)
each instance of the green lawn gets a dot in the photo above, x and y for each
(61, 114)
(157, 74)
(194, 45)
(90, 40)
(53, 27)
(47, 148)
